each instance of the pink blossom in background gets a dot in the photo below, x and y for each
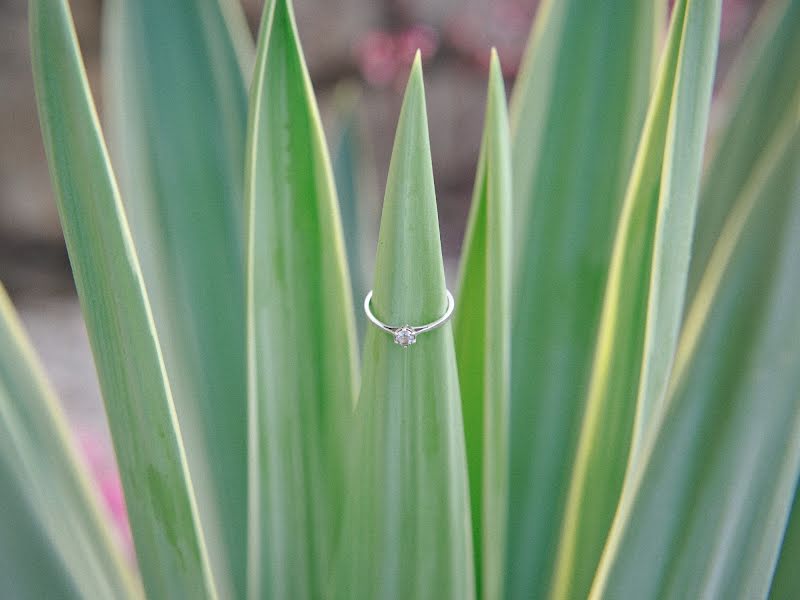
(382, 56)
(418, 37)
(376, 58)
(103, 468)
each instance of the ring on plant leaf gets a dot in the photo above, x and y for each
(405, 335)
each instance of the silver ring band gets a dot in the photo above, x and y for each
(405, 335)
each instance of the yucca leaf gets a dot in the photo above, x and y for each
(55, 536)
(576, 115)
(483, 339)
(348, 171)
(408, 529)
(786, 581)
(762, 87)
(678, 191)
(139, 406)
(301, 340)
(30, 564)
(239, 32)
(708, 502)
(177, 113)
(644, 298)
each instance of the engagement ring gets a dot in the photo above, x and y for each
(405, 335)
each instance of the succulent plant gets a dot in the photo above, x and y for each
(614, 411)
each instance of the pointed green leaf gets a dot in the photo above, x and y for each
(177, 109)
(408, 528)
(55, 535)
(644, 297)
(678, 191)
(141, 415)
(483, 339)
(576, 116)
(786, 581)
(301, 340)
(762, 87)
(709, 499)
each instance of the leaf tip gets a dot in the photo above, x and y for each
(495, 68)
(415, 79)
(414, 98)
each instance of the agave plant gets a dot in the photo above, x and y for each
(614, 412)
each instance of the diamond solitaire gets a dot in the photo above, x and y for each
(405, 336)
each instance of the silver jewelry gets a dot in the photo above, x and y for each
(405, 335)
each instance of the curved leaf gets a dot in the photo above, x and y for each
(786, 581)
(301, 338)
(483, 338)
(141, 416)
(576, 115)
(711, 494)
(762, 87)
(178, 111)
(408, 527)
(644, 298)
(55, 536)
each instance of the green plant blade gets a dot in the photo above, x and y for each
(483, 339)
(301, 338)
(786, 581)
(762, 88)
(55, 536)
(708, 504)
(141, 415)
(576, 115)
(408, 527)
(240, 36)
(348, 169)
(679, 184)
(644, 297)
(177, 112)
(30, 563)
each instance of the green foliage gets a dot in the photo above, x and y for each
(407, 530)
(724, 464)
(786, 581)
(761, 92)
(614, 413)
(183, 198)
(483, 339)
(644, 295)
(351, 173)
(300, 333)
(62, 546)
(141, 415)
(576, 114)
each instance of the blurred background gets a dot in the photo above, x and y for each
(358, 53)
